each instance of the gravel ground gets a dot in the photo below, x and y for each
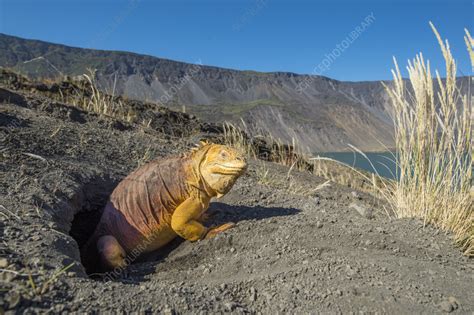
(332, 250)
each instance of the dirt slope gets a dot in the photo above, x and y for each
(288, 252)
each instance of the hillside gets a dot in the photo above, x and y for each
(321, 114)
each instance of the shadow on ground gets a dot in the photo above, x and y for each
(220, 213)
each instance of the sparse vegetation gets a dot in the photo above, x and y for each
(275, 150)
(433, 134)
(32, 288)
(288, 182)
(147, 156)
(372, 183)
(235, 137)
(97, 101)
(291, 156)
(262, 174)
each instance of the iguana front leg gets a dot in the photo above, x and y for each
(184, 220)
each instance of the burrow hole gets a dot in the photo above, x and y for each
(90, 206)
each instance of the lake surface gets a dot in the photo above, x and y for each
(383, 162)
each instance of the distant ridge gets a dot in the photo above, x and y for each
(320, 113)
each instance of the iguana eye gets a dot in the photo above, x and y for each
(224, 154)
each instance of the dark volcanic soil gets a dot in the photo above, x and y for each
(288, 252)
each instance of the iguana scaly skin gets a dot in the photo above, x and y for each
(161, 200)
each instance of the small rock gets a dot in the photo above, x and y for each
(454, 302)
(449, 304)
(446, 306)
(7, 276)
(230, 306)
(58, 308)
(363, 211)
(356, 195)
(379, 230)
(351, 271)
(319, 224)
(268, 296)
(14, 300)
(253, 294)
(168, 310)
(3, 262)
(232, 249)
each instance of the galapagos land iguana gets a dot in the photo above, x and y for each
(161, 200)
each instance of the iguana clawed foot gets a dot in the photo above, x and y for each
(221, 228)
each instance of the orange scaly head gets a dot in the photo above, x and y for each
(220, 167)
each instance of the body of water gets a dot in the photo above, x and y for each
(383, 162)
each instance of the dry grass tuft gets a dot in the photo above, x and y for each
(265, 147)
(237, 138)
(89, 97)
(287, 183)
(99, 102)
(433, 135)
(33, 289)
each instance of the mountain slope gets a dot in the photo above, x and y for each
(321, 114)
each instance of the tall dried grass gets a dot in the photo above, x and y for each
(89, 97)
(237, 138)
(275, 150)
(433, 135)
(100, 102)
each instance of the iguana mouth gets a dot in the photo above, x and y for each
(230, 169)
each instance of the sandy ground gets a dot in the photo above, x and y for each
(289, 252)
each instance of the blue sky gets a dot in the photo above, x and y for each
(262, 35)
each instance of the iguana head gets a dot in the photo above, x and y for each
(220, 167)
